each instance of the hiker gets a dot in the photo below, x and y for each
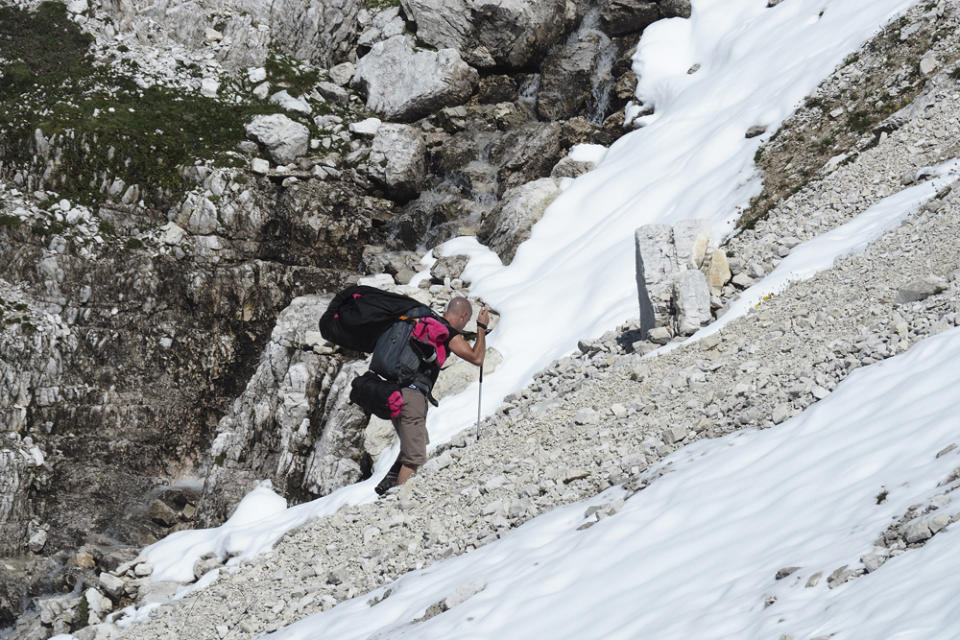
(411, 424)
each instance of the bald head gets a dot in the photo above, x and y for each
(458, 312)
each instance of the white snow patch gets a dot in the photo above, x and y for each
(695, 554)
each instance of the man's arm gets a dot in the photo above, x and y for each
(474, 354)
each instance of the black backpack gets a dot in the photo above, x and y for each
(370, 320)
(358, 316)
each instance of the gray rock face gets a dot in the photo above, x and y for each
(284, 139)
(519, 210)
(404, 84)
(398, 159)
(490, 32)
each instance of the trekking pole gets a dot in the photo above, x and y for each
(479, 398)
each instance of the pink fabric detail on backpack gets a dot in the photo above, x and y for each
(395, 402)
(436, 333)
(357, 295)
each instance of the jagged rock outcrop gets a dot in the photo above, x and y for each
(320, 31)
(488, 33)
(402, 83)
(293, 423)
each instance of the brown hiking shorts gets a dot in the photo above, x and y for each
(411, 426)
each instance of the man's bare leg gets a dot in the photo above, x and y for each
(405, 473)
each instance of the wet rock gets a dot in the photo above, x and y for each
(404, 84)
(569, 74)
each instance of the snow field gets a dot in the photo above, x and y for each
(575, 277)
(695, 554)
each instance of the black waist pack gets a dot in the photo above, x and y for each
(375, 395)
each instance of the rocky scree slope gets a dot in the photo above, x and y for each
(603, 416)
(173, 180)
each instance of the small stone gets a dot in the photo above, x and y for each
(819, 392)
(287, 102)
(256, 75)
(836, 113)
(780, 413)
(937, 523)
(84, 560)
(674, 434)
(209, 87)
(660, 335)
(260, 165)
(928, 64)
(143, 569)
(38, 541)
(212, 35)
(161, 513)
(814, 580)
(618, 410)
(917, 531)
(755, 131)
(742, 280)
(368, 127)
(919, 290)
(946, 450)
(786, 571)
(586, 416)
(261, 91)
(113, 585)
(873, 561)
(342, 73)
(839, 576)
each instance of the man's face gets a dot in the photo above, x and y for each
(461, 321)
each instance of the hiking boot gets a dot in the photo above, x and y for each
(390, 480)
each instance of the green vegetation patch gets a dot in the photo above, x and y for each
(381, 4)
(107, 126)
(287, 72)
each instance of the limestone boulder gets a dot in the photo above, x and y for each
(510, 223)
(283, 139)
(403, 84)
(398, 159)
